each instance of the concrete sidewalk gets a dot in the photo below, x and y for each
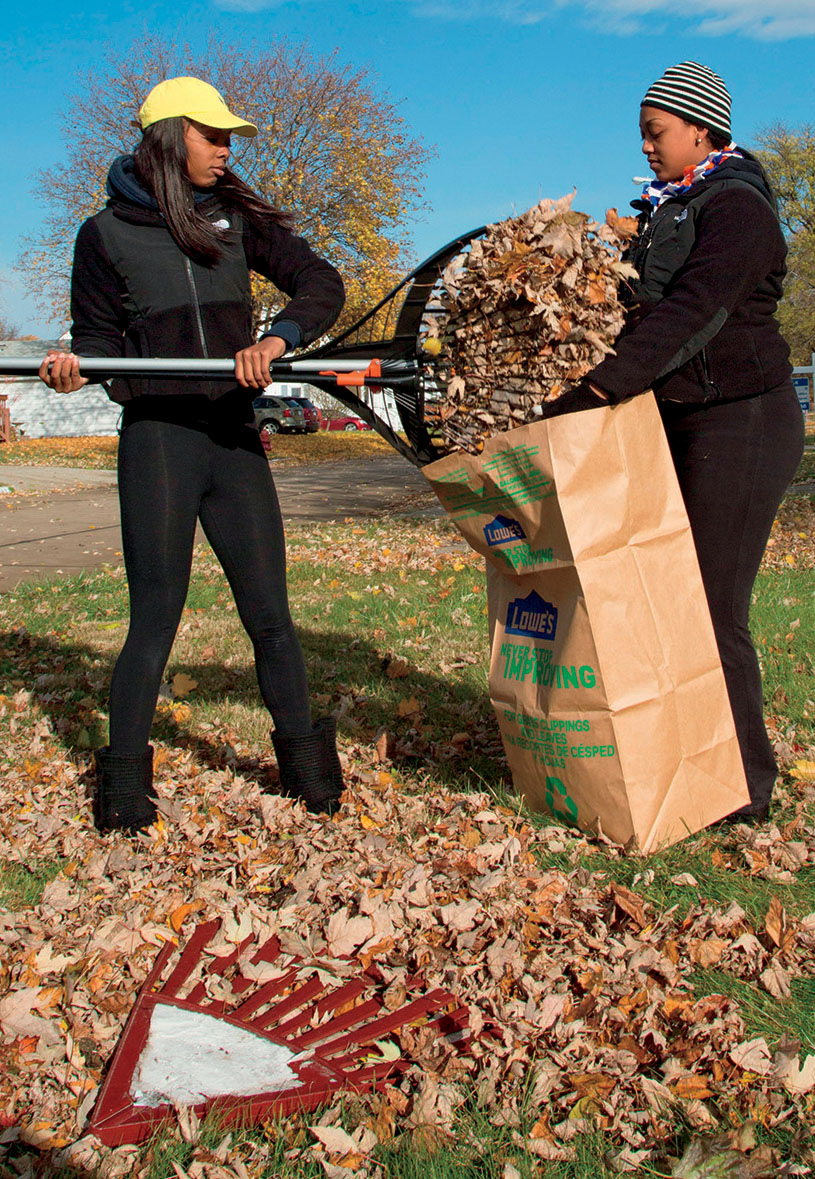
(69, 527)
(20, 478)
(73, 522)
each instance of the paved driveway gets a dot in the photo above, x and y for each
(72, 523)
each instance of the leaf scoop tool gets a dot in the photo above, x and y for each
(390, 348)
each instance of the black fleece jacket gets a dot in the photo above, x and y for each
(134, 293)
(711, 265)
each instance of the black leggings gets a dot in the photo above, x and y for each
(734, 461)
(171, 475)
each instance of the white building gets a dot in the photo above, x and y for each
(37, 412)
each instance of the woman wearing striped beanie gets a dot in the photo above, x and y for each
(701, 332)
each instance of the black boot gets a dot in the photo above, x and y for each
(753, 814)
(309, 766)
(123, 783)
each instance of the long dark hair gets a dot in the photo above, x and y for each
(160, 162)
(718, 142)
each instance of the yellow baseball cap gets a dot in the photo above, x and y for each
(194, 99)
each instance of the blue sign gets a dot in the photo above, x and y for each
(502, 530)
(533, 617)
(802, 389)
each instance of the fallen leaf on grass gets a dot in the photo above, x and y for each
(385, 1051)
(708, 952)
(344, 933)
(44, 1136)
(50, 963)
(434, 1105)
(592, 1088)
(460, 916)
(183, 685)
(797, 1078)
(409, 707)
(385, 746)
(776, 981)
(17, 1015)
(551, 1152)
(777, 926)
(180, 915)
(710, 1159)
(753, 1056)
(336, 1141)
(629, 902)
(542, 1129)
(693, 1088)
(429, 1140)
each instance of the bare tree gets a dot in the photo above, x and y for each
(8, 331)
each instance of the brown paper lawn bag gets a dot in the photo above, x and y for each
(604, 670)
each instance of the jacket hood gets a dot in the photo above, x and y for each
(123, 188)
(749, 171)
(122, 185)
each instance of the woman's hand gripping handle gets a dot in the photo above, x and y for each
(60, 372)
(252, 364)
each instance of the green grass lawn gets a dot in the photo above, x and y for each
(392, 616)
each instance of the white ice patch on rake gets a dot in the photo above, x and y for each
(190, 1056)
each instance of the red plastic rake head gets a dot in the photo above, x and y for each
(270, 1048)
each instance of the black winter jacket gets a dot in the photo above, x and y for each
(134, 293)
(701, 326)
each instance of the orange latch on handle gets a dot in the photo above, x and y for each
(356, 379)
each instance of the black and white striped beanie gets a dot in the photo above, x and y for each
(695, 93)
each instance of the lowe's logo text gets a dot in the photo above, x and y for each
(502, 530)
(533, 617)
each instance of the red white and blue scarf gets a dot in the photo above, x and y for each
(661, 190)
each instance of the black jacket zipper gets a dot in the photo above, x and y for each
(196, 305)
(712, 390)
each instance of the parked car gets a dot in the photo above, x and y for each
(281, 414)
(347, 422)
(311, 412)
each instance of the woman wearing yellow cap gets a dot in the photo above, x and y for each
(163, 270)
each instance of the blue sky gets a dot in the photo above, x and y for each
(520, 98)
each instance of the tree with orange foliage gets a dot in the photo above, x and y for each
(331, 151)
(788, 156)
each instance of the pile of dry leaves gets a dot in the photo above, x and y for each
(531, 307)
(579, 1004)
